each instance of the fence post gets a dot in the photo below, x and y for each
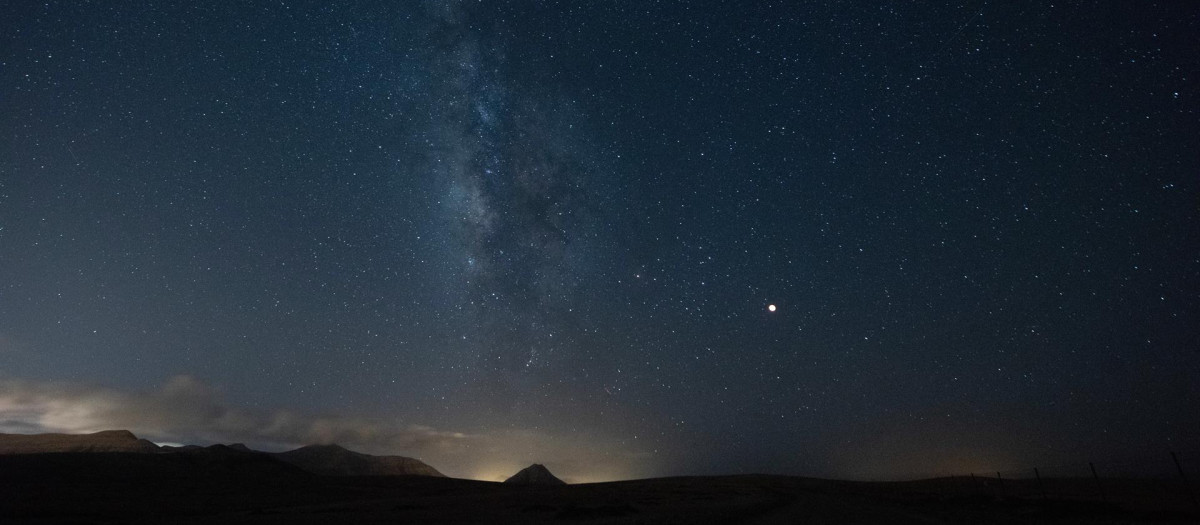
(1003, 493)
(1187, 485)
(975, 484)
(1099, 487)
(1041, 488)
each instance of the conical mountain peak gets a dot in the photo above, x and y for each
(535, 474)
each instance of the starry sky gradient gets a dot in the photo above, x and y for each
(491, 233)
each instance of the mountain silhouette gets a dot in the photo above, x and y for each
(104, 441)
(333, 460)
(328, 460)
(535, 474)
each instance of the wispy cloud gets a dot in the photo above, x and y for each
(187, 410)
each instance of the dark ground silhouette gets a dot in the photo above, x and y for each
(219, 486)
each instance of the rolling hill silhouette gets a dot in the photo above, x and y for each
(325, 460)
(333, 460)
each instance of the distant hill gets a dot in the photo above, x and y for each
(333, 460)
(328, 460)
(106, 441)
(535, 474)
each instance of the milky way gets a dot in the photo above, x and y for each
(518, 197)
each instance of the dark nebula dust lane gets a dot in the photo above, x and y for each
(621, 240)
(518, 202)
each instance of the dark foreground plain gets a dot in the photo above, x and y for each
(238, 488)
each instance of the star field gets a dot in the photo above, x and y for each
(492, 233)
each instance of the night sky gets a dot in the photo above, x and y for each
(490, 233)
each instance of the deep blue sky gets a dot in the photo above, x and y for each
(491, 233)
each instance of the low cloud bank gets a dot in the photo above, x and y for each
(186, 409)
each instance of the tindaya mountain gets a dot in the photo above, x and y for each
(332, 460)
(106, 441)
(535, 474)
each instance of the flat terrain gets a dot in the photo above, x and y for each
(217, 488)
